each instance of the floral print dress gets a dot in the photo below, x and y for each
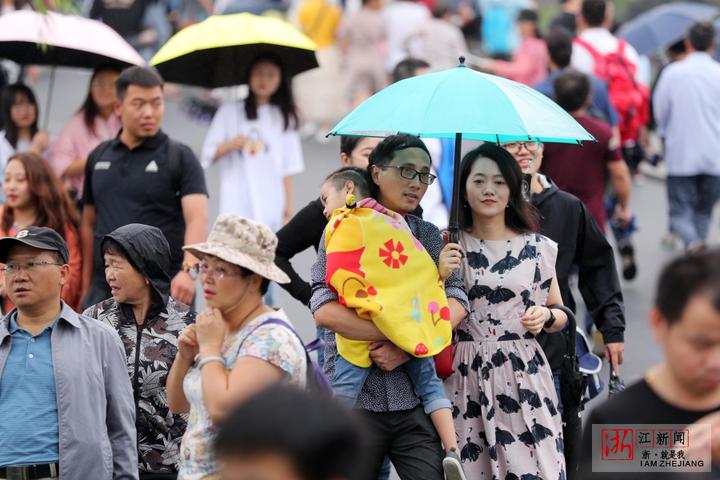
(504, 401)
(275, 344)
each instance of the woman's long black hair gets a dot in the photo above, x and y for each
(89, 109)
(520, 215)
(8, 99)
(282, 98)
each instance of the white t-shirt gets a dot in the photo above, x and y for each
(7, 150)
(251, 181)
(604, 42)
(402, 18)
(434, 209)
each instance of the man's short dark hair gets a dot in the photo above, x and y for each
(322, 439)
(686, 277)
(571, 90)
(559, 44)
(350, 174)
(594, 11)
(385, 151)
(408, 68)
(146, 77)
(702, 36)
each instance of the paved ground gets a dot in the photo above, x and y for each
(648, 201)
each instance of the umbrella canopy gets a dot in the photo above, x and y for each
(461, 103)
(28, 37)
(460, 100)
(664, 25)
(217, 51)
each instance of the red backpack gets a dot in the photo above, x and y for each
(630, 98)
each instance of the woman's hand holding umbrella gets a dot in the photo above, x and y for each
(40, 142)
(450, 260)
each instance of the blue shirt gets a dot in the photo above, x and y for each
(687, 110)
(600, 105)
(28, 403)
(95, 409)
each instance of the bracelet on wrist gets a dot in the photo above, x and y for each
(549, 323)
(211, 358)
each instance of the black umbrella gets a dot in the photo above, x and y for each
(572, 386)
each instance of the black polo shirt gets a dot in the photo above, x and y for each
(135, 186)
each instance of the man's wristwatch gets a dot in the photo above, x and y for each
(550, 321)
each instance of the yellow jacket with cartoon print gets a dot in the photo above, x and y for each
(379, 269)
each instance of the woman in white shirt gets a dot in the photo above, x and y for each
(257, 148)
(20, 118)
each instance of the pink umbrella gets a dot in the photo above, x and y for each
(28, 37)
(32, 38)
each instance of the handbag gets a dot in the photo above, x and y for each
(444, 361)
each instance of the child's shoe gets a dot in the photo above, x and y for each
(452, 466)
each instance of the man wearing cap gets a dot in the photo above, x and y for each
(66, 402)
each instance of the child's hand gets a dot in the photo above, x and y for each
(450, 260)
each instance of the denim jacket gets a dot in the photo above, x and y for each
(96, 412)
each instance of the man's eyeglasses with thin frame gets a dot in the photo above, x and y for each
(408, 173)
(14, 268)
(515, 147)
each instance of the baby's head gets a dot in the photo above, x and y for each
(339, 184)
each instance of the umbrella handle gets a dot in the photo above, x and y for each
(572, 326)
(48, 104)
(455, 208)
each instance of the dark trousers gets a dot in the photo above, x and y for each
(158, 476)
(409, 438)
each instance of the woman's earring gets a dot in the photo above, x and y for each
(147, 282)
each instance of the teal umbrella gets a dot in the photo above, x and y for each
(461, 103)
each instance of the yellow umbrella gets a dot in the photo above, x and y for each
(217, 52)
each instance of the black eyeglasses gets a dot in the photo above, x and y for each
(410, 173)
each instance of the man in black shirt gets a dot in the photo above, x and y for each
(142, 177)
(685, 388)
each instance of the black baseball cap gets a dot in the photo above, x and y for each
(37, 237)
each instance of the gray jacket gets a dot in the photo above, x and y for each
(96, 412)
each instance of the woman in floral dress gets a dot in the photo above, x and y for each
(238, 346)
(505, 405)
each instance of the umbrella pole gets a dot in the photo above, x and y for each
(454, 227)
(48, 104)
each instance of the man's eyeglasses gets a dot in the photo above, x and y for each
(216, 272)
(515, 147)
(410, 173)
(14, 268)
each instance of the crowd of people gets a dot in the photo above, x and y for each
(108, 370)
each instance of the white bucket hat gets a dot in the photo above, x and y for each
(242, 242)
